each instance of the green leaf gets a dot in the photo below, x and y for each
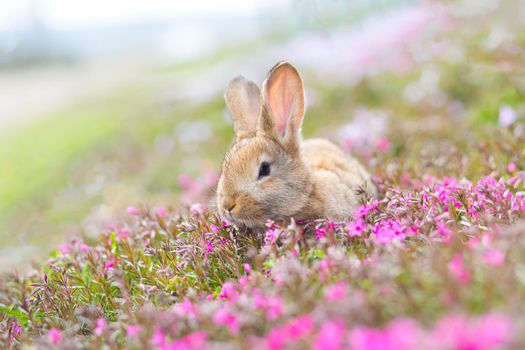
(18, 314)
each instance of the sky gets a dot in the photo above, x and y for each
(71, 14)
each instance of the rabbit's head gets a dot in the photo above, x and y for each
(263, 176)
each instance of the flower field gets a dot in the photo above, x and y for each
(437, 262)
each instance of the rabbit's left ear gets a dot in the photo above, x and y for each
(242, 98)
(283, 102)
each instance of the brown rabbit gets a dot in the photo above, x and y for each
(269, 172)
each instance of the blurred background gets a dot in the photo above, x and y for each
(110, 104)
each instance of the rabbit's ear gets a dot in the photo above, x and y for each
(243, 100)
(283, 98)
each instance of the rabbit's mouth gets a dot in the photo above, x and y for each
(230, 217)
(240, 221)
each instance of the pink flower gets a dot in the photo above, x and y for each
(158, 338)
(326, 264)
(111, 264)
(330, 336)
(276, 339)
(133, 330)
(294, 330)
(271, 236)
(223, 317)
(398, 335)
(270, 224)
(161, 212)
(133, 211)
(228, 291)
(215, 228)
(196, 209)
(274, 309)
(208, 245)
(186, 308)
(494, 257)
(336, 291)
(483, 333)
(347, 144)
(363, 210)
(123, 234)
(320, 232)
(55, 336)
(100, 327)
(356, 228)
(383, 144)
(386, 231)
(64, 248)
(185, 181)
(300, 327)
(84, 248)
(247, 268)
(444, 231)
(511, 168)
(16, 330)
(458, 270)
(195, 340)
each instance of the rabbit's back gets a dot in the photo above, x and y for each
(337, 176)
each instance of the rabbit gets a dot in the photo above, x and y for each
(269, 172)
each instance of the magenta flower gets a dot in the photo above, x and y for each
(185, 308)
(64, 248)
(197, 209)
(123, 234)
(55, 336)
(208, 247)
(494, 257)
(111, 264)
(16, 329)
(100, 327)
(195, 340)
(336, 291)
(398, 335)
(444, 231)
(133, 211)
(356, 228)
(274, 308)
(161, 212)
(320, 232)
(330, 336)
(276, 339)
(271, 236)
(458, 270)
(133, 330)
(383, 144)
(247, 268)
(215, 228)
(300, 327)
(228, 291)
(223, 317)
(386, 231)
(487, 332)
(158, 338)
(185, 181)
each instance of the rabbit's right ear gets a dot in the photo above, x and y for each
(243, 100)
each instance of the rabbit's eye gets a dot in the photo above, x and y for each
(264, 170)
